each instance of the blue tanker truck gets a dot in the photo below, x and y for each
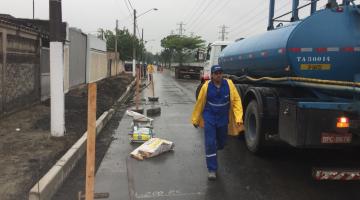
(299, 82)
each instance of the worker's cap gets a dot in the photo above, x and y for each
(216, 68)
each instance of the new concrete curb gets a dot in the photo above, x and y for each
(53, 179)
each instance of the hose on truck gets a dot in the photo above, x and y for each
(345, 86)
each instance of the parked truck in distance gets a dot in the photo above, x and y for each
(188, 71)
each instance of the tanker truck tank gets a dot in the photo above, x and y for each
(325, 45)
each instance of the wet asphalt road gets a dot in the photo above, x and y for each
(283, 174)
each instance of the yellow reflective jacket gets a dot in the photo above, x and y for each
(150, 69)
(235, 114)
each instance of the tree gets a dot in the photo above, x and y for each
(124, 43)
(182, 45)
(166, 56)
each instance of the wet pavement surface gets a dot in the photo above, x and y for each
(282, 174)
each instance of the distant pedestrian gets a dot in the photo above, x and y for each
(219, 110)
(144, 71)
(150, 71)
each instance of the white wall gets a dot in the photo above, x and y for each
(96, 65)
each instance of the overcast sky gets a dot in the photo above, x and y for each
(201, 17)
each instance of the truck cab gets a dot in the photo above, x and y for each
(213, 53)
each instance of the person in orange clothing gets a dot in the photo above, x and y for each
(219, 110)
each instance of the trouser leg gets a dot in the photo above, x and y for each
(210, 146)
(221, 136)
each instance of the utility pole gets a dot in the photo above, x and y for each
(116, 50)
(33, 9)
(56, 70)
(134, 48)
(223, 32)
(181, 28)
(143, 51)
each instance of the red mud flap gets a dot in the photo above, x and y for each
(336, 174)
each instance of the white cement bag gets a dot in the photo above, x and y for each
(138, 117)
(151, 148)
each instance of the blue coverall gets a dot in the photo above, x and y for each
(216, 118)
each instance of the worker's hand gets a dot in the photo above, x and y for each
(196, 125)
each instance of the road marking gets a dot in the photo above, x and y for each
(170, 193)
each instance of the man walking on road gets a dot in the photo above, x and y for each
(219, 110)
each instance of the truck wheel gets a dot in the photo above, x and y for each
(253, 122)
(198, 90)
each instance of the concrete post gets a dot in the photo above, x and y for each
(56, 70)
(57, 89)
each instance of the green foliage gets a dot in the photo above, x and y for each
(182, 46)
(124, 43)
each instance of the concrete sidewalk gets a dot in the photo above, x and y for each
(179, 174)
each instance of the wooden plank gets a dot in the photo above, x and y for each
(91, 138)
(152, 86)
(137, 98)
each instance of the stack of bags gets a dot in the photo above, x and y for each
(143, 133)
(142, 127)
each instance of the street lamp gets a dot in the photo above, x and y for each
(155, 9)
(134, 48)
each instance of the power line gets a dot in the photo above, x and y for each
(202, 12)
(247, 15)
(192, 16)
(119, 6)
(130, 4)
(253, 23)
(249, 19)
(216, 13)
(127, 6)
(138, 32)
(193, 10)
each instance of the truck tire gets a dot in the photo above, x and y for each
(198, 90)
(254, 137)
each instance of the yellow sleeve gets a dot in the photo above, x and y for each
(199, 105)
(236, 102)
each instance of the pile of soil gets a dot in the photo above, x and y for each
(27, 151)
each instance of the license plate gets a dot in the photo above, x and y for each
(335, 138)
(336, 174)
